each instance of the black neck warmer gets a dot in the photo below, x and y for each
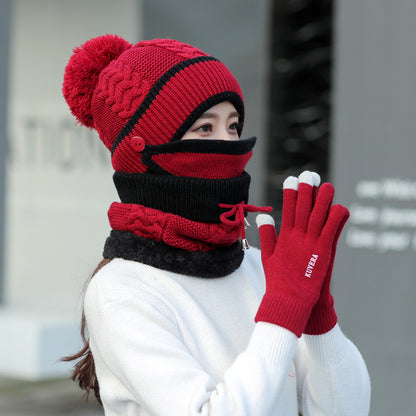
(214, 263)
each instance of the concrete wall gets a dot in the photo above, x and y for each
(59, 176)
(373, 165)
(58, 185)
(4, 73)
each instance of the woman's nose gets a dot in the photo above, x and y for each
(225, 134)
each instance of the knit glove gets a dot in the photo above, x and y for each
(297, 263)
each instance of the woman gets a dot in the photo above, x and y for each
(181, 320)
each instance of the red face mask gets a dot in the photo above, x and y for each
(199, 158)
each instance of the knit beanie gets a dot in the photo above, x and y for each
(146, 94)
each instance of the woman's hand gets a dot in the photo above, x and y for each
(300, 260)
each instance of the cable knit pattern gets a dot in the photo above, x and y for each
(171, 229)
(119, 93)
(122, 89)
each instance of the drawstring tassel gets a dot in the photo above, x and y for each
(239, 210)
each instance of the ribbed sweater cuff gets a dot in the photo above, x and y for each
(327, 349)
(275, 344)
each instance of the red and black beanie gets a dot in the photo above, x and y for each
(146, 94)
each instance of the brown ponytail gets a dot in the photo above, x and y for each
(84, 370)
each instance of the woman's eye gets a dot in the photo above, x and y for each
(236, 126)
(204, 128)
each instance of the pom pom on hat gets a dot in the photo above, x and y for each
(83, 70)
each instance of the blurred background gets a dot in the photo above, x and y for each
(329, 86)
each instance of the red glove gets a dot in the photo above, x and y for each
(297, 263)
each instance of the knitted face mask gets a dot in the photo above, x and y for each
(210, 159)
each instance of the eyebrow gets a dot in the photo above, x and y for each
(213, 115)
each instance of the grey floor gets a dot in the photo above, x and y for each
(46, 398)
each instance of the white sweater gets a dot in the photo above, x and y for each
(171, 345)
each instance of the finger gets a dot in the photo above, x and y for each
(346, 215)
(290, 194)
(304, 200)
(267, 232)
(316, 183)
(338, 216)
(321, 208)
(341, 223)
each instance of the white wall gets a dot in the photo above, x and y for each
(58, 185)
(59, 181)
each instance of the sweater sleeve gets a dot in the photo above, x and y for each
(332, 376)
(141, 359)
